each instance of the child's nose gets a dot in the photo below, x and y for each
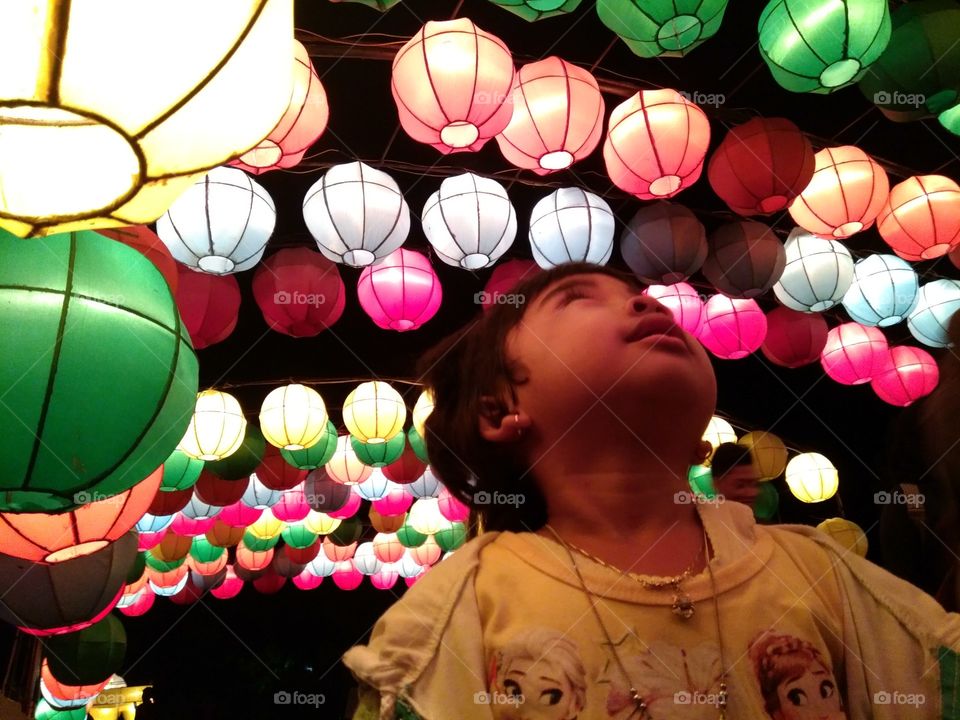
(641, 304)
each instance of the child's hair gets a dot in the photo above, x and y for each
(459, 371)
(727, 456)
(778, 659)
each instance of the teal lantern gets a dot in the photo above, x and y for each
(658, 28)
(298, 536)
(701, 481)
(45, 711)
(409, 538)
(246, 458)
(316, 455)
(532, 10)
(452, 537)
(259, 544)
(767, 502)
(818, 46)
(180, 471)
(203, 551)
(417, 444)
(89, 656)
(379, 454)
(99, 377)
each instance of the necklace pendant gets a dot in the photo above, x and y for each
(639, 703)
(683, 606)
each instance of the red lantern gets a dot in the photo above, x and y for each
(855, 353)
(145, 241)
(452, 83)
(656, 143)
(504, 278)
(230, 587)
(167, 502)
(845, 195)
(912, 374)
(269, 583)
(299, 292)
(208, 304)
(761, 166)
(187, 595)
(406, 469)
(557, 117)
(794, 338)
(732, 329)
(276, 473)
(664, 243)
(214, 490)
(401, 292)
(302, 556)
(745, 260)
(921, 218)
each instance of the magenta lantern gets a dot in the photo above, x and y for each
(854, 353)
(230, 587)
(401, 292)
(912, 374)
(349, 509)
(299, 292)
(292, 506)
(384, 579)
(684, 302)
(451, 508)
(239, 514)
(504, 278)
(147, 541)
(732, 328)
(346, 576)
(794, 339)
(395, 502)
(306, 580)
(191, 527)
(141, 603)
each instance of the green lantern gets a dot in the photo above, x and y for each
(245, 460)
(533, 10)
(658, 28)
(298, 536)
(379, 454)
(765, 506)
(701, 481)
(45, 711)
(152, 561)
(203, 551)
(259, 544)
(316, 455)
(450, 538)
(88, 656)
(136, 570)
(347, 532)
(180, 471)
(409, 538)
(950, 119)
(381, 5)
(819, 46)
(417, 443)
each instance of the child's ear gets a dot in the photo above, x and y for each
(703, 452)
(499, 424)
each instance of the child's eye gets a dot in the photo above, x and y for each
(571, 295)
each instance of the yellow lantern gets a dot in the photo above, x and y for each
(374, 412)
(345, 467)
(422, 410)
(425, 516)
(217, 427)
(846, 533)
(320, 523)
(768, 452)
(719, 431)
(812, 478)
(293, 417)
(266, 527)
(103, 133)
(116, 702)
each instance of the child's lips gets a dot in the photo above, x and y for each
(659, 330)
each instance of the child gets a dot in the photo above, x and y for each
(734, 476)
(569, 422)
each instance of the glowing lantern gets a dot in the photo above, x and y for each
(470, 221)
(937, 302)
(301, 125)
(317, 454)
(557, 117)
(950, 119)
(451, 508)
(844, 197)
(761, 166)
(306, 580)
(240, 515)
(346, 576)
(224, 535)
(401, 292)
(338, 553)
(822, 46)
(912, 374)
(451, 538)
(216, 428)
(374, 412)
(230, 587)
(768, 452)
(532, 10)
(153, 523)
(197, 509)
(732, 328)
(656, 143)
(267, 527)
(396, 501)
(218, 492)
(408, 537)
(356, 214)
(240, 464)
(416, 443)
(140, 604)
(292, 507)
(203, 551)
(86, 296)
(376, 486)
(386, 578)
(47, 711)
(180, 471)
(422, 409)
(794, 338)
(684, 302)
(385, 523)
(92, 142)
(812, 478)
(504, 278)
(425, 516)
(259, 496)
(854, 353)
(90, 655)
(209, 305)
(365, 560)
(664, 243)
(269, 583)
(172, 547)
(260, 544)
(745, 259)
(293, 417)
(348, 510)
(662, 29)
(145, 241)
(883, 292)
(62, 694)
(816, 275)
(409, 467)
(300, 555)
(146, 541)
(427, 485)
(252, 559)
(571, 225)
(407, 567)
(921, 218)
(299, 292)
(426, 554)
(276, 473)
(847, 534)
(320, 523)
(387, 548)
(221, 224)
(719, 431)
(452, 84)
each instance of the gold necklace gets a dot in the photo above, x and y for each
(640, 705)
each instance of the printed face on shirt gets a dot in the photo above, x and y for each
(811, 696)
(544, 688)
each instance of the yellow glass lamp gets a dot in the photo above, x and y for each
(812, 478)
(374, 412)
(217, 427)
(293, 417)
(768, 452)
(110, 109)
(422, 410)
(848, 534)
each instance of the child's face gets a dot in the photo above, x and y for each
(740, 484)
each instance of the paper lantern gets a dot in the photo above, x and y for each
(239, 515)
(301, 543)
(230, 587)
(532, 10)
(191, 526)
(167, 502)
(152, 562)
(950, 119)
(221, 224)
(451, 538)
(62, 695)
(408, 537)
(386, 578)
(387, 548)
(172, 547)
(223, 534)
(346, 576)
(324, 494)
(426, 554)
(153, 523)
(365, 560)
(283, 566)
(451, 508)
(306, 580)
(90, 655)
(664, 243)
(571, 225)
(259, 496)
(100, 316)
(816, 275)
(347, 533)
(469, 221)
(385, 523)
(180, 471)
(557, 117)
(844, 197)
(356, 214)
(407, 567)
(140, 604)
(321, 566)
(396, 501)
(293, 417)
(217, 491)
(217, 427)
(339, 553)
(401, 292)
(812, 478)
(745, 259)
(299, 292)
(408, 468)
(374, 412)
(376, 486)
(937, 302)
(46, 711)
(316, 455)
(822, 46)
(452, 85)
(883, 292)
(504, 278)
(662, 28)
(416, 443)
(269, 583)
(209, 305)
(732, 328)
(768, 453)
(241, 463)
(719, 431)
(253, 560)
(145, 241)
(267, 527)
(767, 503)
(854, 353)
(425, 516)
(684, 302)
(794, 339)
(427, 485)
(348, 510)
(847, 534)
(146, 541)
(109, 134)
(656, 143)
(261, 544)
(300, 126)
(245, 575)
(921, 218)
(912, 374)
(292, 506)
(422, 409)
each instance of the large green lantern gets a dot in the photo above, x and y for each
(950, 119)
(819, 46)
(657, 28)
(99, 378)
(451, 537)
(45, 711)
(258, 544)
(349, 531)
(316, 455)
(701, 481)
(417, 444)
(89, 656)
(180, 471)
(379, 454)
(533, 10)
(155, 563)
(410, 538)
(245, 460)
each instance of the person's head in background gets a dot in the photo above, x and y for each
(584, 383)
(735, 475)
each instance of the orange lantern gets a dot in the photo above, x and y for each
(60, 691)
(557, 117)
(224, 535)
(921, 218)
(452, 83)
(172, 547)
(338, 553)
(656, 143)
(845, 195)
(252, 559)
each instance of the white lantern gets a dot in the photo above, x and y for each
(883, 292)
(293, 417)
(427, 485)
(719, 431)
(470, 221)
(406, 566)
(930, 318)
(198, 509)
(365, 560)
(221, 224)
(259, 496)
(425, 516)
(571, 225)
(375, 487)
(344, 466)
(217, 427)
(421, 410)
(817, 273)
(812, 478)
(356, 214)
(374, 412)
(321, 566)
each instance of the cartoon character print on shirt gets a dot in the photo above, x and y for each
(795, 680)
(538, 675)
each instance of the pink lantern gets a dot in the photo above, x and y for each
(387, 547)
(345, 467)
(732, 328)
(338, 553)
(427, 553)
(921, 218)
(656, 143)
(239, 515)
(401, 292)
(912, 374)
(147, 541)
(208, 304)
(189, 527)
(230, 587)
(384, 579)
(452, 83)
(451, 508)
(303, 122)
(346, 576)
(140, 605)
(299, 292)
(348, 510)
(855, 353)
(684, 302)
(794, 338)
(187, 595)
(269, 583)
(557, 117)
(395, 502)
(292, 506)
(504, 278)
(306, 580)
